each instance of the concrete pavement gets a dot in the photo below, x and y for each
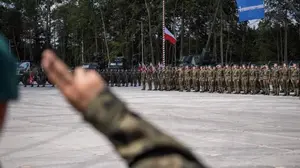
(43, 131)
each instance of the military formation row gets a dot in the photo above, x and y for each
(115, 77)
(120, 77)
(230, 79)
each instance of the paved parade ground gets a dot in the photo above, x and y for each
(43, 131)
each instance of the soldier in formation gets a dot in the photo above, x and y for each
(278, 80)
(122, 78)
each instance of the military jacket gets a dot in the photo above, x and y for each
(254, 74)
(267, 74)
(181, 75)
(245, 73)
(198, 74)
(275, 74)
(143, 75)
(220, 74)
(228, 74)
(134, 75)
(187, 74)
(161, 74)
(236, 74)
(285, 74)
(295, 74)
(202, 75)
(261, 75)
(195, 74)
(169, 74)
(149, 74)
(205, 74)
(137, 141)
(211, 75)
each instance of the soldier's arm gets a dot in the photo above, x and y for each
(136, 140)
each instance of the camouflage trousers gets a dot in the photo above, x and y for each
(261, 85)
(295, 84)
(202, 85)
(188, 84)
(220, 83)
(149, 81)
(181, 84)
(285, 86)
(228, 85)
(168, 84)
(275, 85)
(266, 86)
(143, 82)
(162, 84)
(125, 82)
(206, 85)
(134, 82)
(156, 84)
(177, 86)
(245, 85)
(252, 83)
(195, 84)
(236, 83)
(211, 85)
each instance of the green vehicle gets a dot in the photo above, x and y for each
(118, 63)
(197, 60)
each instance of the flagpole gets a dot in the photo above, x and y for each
(163, 35)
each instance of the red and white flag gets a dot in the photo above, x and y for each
(169, 36)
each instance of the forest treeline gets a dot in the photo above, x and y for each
(88, 30)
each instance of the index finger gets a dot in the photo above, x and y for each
(57, 71)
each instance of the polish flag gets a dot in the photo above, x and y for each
(169, 36)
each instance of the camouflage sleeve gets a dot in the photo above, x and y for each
(139, 143)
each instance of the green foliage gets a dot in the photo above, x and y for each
(78, 32)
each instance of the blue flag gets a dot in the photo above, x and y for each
(250, 9)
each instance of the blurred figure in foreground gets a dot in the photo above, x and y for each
(9, 81)
(138, 142)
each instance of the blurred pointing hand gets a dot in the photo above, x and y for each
(79, 88)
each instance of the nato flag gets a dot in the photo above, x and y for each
(250, 9)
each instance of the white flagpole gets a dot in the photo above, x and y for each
(164, 40)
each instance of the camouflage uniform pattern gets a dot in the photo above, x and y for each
(230, 79)
(139, 143)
